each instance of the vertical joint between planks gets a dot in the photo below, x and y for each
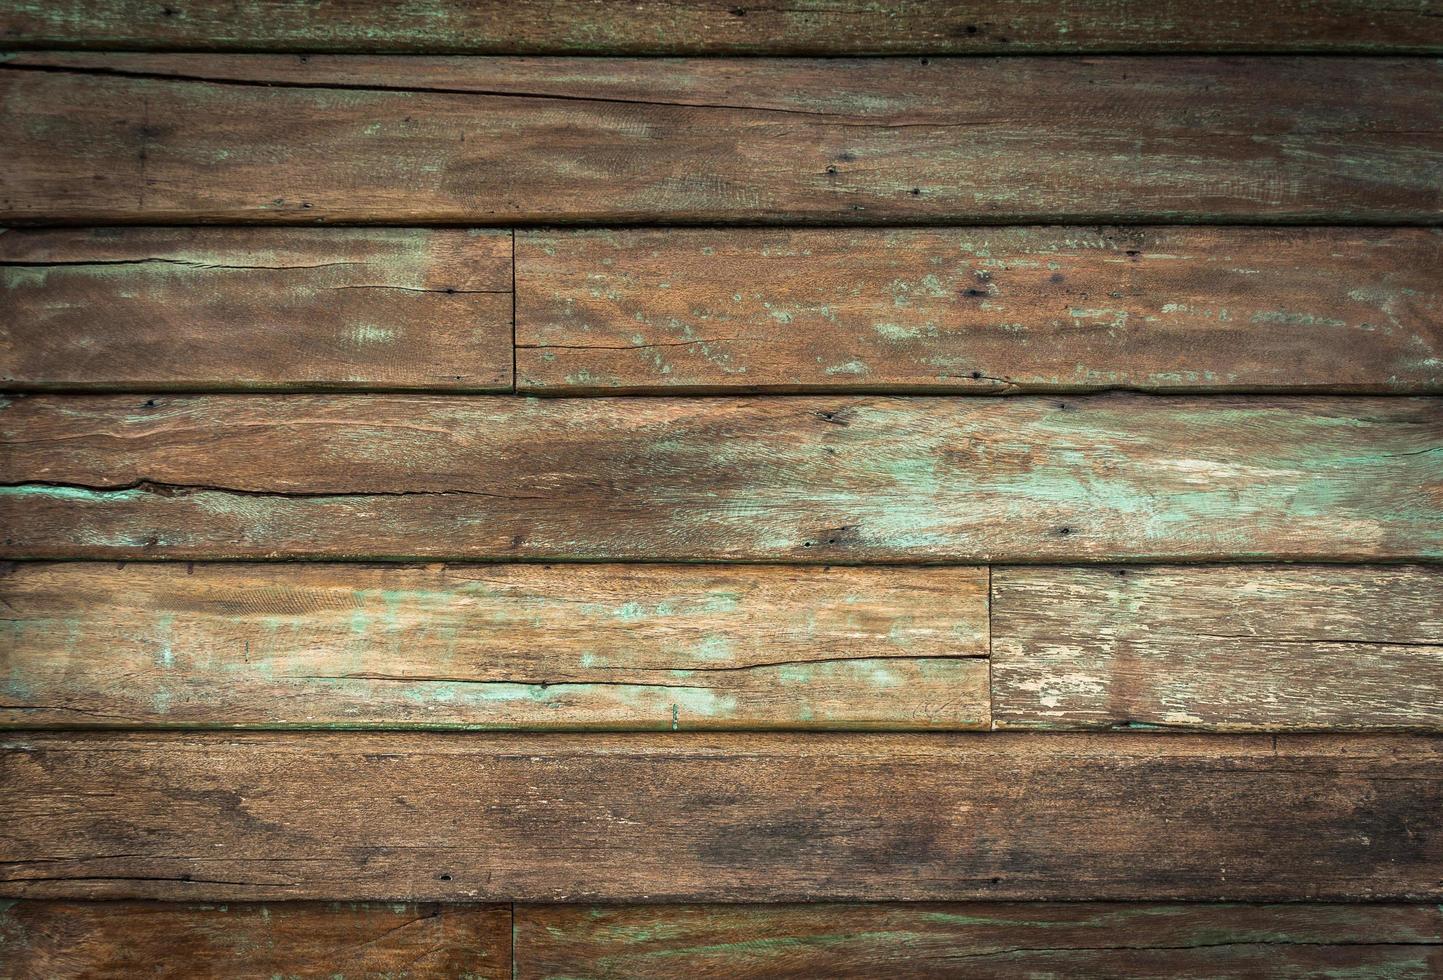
(513, 333)
(991, 705)
(513, 904)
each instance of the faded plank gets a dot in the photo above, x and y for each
(54, 940)
(978, 940)
(227, 308)
(188, 138)
(510, 646)
(995, 310)
(847, 479)
(691, 817)
(727, 26)
(1232, 648)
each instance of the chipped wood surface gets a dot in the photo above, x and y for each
(1238, 647)
(142, 138)
(54, 940)
(978, 309)
(222, 308)
(738, 817)
(978, 940)
(649, 647)
(848, 479)
(729, 27)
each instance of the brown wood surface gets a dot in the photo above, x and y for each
(186, 138)
(847, 479)
(978, 309)
(224, 308)
(64, 940)
(1236, 647)
(978, 940)
(739, 817)
(510, 646)
(726, 26)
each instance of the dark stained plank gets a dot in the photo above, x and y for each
(54, 940)
(726, 26)
(739, 817)
(846, 479)
(1230, 648)
(978, 940)
(509, 646)
(980, 309)
(204, 138)
(261, 308)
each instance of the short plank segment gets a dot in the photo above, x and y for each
(511, 646)
(1227, 648)
(54, 940)
(141, 138)
(740, 817)
(850, 479)
(978, 309)
(981, 940)
(233, 309)
(727, 26)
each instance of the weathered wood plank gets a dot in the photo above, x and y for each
(687, 817)
(227, 308)
(197, 138)
(845, 479)
(979, 940)
(511, 646)
(54, 940)
(727, 26)
(996, 310)
(1233, 648)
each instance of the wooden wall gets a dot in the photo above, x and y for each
(829, 490)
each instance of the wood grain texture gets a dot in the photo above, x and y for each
(63, 940)
(204, 138)
(726, 26)
(206, 309)
(650, 647)
(690, 817)
(841, 479)
(978, 309)
(979, 940)
(1233, 648)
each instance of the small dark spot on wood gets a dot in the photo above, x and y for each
(450, 289)
(926, 61)
(305, 204)
(304, 59)
(1133, 253)
(971, 28)
(443, 877)
(916, 192)
(974, 293)
(190, 568)
(976, 375)
(831, 170)
(1062, 406)
(996, 881)
(1058, 277)
(738, 11)
(1064, 531)
(167, 11)
(149, 403)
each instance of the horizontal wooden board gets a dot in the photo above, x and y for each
(200, 138)
(262, 308)
(690, 817)
(510, 646)
(290, 939)
(978, 309)
(978, 940)
(847, 479)
(727, 26)
(1237, 647)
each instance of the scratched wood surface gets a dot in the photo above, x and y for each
(265, 308)
(147, 138)
(979, 309)
(979, 940)
(650, 647)
(734, 817)
(61, 940)
(1231, 647)
(727, 26)
(848, 479)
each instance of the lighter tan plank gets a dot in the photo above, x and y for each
(728, 26)
(235, 138)
(1230, 648)
(532, 647)
(849, 479)
(61, 940)
(736, 817)
(236, 309)
(977, 309)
